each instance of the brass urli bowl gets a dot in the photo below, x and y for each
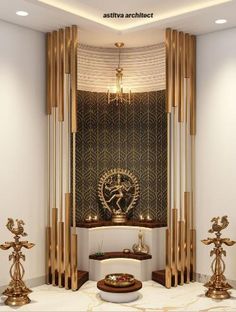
(119, 280)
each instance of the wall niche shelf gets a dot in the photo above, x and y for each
(100, 223)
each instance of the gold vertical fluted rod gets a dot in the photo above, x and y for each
(61, 255)
(68, 132)
(54, 160)
(49, 172)
(54, 209)
(60, 47)
(177, 71)
(192, 136)
(74, 276)
(175, 210)
(187, 101)
(187, 231)
(168, 44)
(188, 58)
(73, 63)
(54, 246)
(193, 229)
(187, 193)
(193, 86)
(48, 111)
(169, 137)
(168, 273)
(193, 181)
(175, 117)
(175, 178)
(169, 94)
(181, 95)
(54, 104)
(187, 190)
(175, 245)
(61, 170)
(181, 222)
(68, 195)
(67, 241)
(181, 155)
(174, 59)
(73, 185)
(48, 229)
(74, 46)
(73, 68)
(61, 115)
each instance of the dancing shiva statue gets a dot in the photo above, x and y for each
(118, 192)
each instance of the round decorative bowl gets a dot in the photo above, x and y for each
(119, 280)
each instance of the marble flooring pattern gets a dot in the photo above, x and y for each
(152, 297)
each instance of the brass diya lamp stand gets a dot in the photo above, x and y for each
(218, 286)
(16, 292)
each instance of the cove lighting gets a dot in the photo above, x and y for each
(22, 13)
(221, 21)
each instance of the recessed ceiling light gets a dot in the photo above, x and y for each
(22, 13)
(221, 21)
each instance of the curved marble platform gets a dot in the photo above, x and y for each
(110, 238)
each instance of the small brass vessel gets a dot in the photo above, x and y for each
(140, 247)
(119, 280)
(126, 251)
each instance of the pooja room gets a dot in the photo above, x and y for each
(118, 155)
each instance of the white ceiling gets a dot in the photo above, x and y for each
(192, 16)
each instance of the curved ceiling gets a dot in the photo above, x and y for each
(192, 16)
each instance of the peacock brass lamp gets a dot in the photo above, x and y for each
(218, 286)
(16, 292)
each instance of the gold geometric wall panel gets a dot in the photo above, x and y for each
(132, 137)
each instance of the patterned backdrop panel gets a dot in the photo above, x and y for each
(130, 136)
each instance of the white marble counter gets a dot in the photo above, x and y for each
(153, 297)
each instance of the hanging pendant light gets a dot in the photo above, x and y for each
(119, 96)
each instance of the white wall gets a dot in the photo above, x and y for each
(23, 142)
(216, 141)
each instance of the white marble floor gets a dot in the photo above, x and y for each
(153, 297)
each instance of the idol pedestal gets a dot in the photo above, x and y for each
(119, 294)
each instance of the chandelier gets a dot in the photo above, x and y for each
(119, 97)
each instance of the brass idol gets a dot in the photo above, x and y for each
(118, 191)
(218, 286)
(16, 292)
